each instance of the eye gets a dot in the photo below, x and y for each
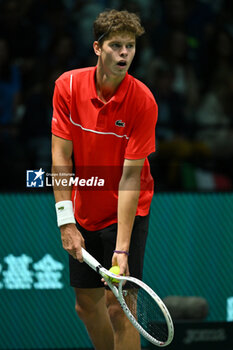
(115, 45)
(130, 46)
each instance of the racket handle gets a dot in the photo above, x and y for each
(90, 260)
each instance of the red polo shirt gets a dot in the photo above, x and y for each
(103, 135)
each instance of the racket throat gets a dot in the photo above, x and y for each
(98, 268)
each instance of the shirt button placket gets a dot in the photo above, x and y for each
(101, 122)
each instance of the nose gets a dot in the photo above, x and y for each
(124, 51)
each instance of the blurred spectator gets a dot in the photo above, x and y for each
(36, 125)
(185, 82)
(218, 59)
(143, 59)
(224, 10)
(214, 129)
(176, 13)
(82, 18)
(215, 119)
(10, 85)
(16, 27)
(170, 126)
(61, 54)
(191, 17)
(11, 149)
(186, 59)
(174, 133)
(50, 19)
(171, 122)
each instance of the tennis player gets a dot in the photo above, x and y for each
(104, 123)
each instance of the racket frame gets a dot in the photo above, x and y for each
(118, 292)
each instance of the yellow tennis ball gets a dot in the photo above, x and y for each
(116, 271)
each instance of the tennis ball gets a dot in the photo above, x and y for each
(116, 271)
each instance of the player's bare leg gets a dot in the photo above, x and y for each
(125, 334)
(91, 308)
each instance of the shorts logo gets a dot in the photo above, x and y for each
(35, 178)
(120, 123)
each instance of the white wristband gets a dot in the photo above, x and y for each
(65, 213)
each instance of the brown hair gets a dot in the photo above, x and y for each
(113, 21)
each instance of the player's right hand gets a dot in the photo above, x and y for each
(72, 241)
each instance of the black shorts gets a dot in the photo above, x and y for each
(101, 245)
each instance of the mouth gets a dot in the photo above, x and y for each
(122, 63)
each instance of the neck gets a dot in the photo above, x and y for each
(106, 84)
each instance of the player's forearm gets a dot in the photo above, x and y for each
(62, 167)
(62, 175)
(129, 191)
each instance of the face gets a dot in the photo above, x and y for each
(116, 53)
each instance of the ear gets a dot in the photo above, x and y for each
(97, 48)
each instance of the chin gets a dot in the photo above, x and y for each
(120, 71)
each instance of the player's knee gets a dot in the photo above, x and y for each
(80, 310)
(83, 310)
(117, 316)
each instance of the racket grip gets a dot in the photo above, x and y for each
(90, 260)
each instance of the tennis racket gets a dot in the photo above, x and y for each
(143, 307)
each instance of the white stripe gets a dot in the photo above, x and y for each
(98, 132)
(71, 80)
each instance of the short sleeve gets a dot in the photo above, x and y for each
(142, 138)
(61, 125)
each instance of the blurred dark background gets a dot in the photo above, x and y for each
(185, 58)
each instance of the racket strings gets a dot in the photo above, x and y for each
(146, 311)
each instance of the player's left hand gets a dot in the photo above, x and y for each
(121, 260)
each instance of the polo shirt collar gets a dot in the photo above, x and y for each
(121, 90)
